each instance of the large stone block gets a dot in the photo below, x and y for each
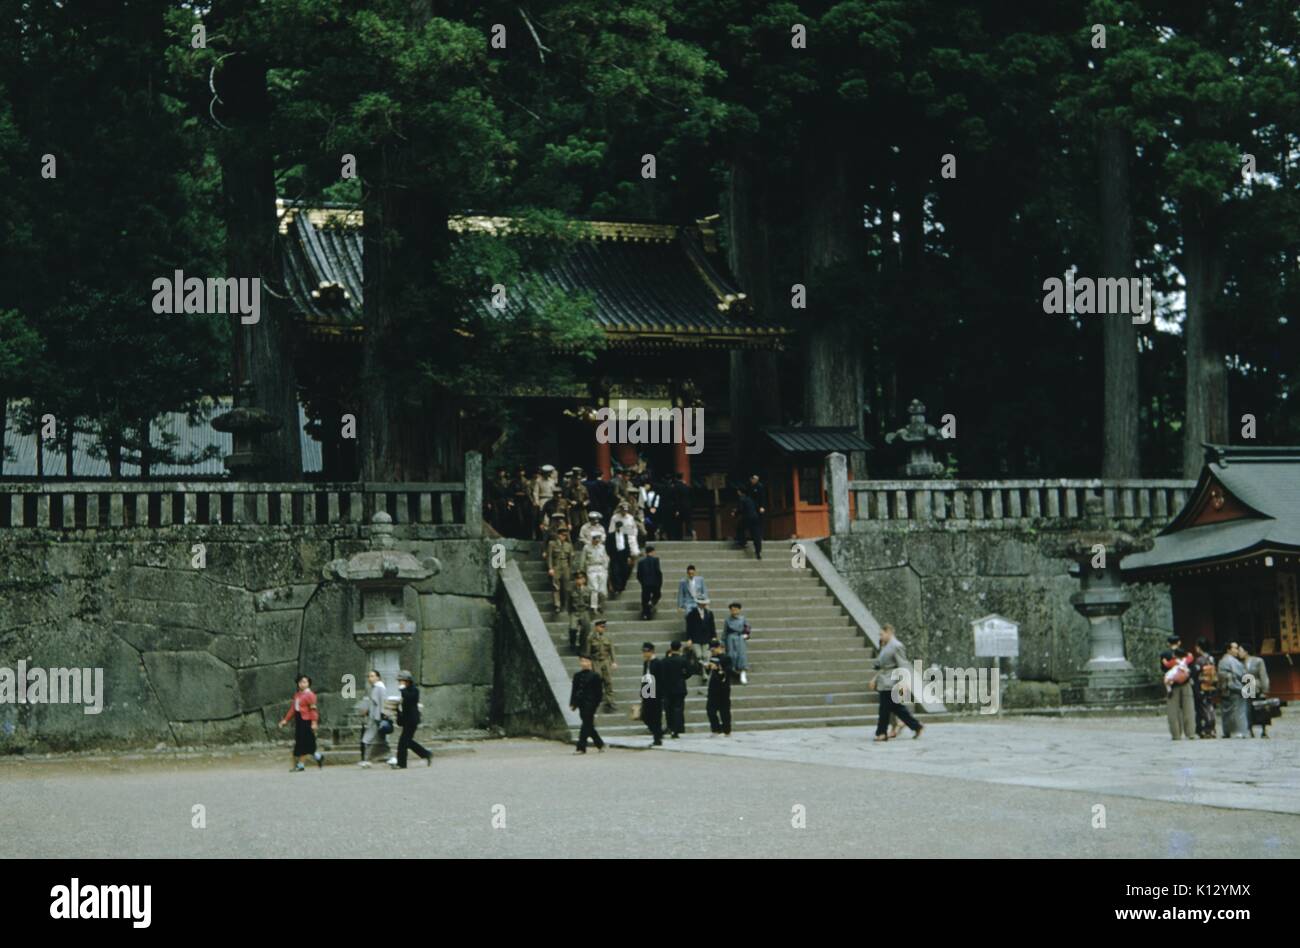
(466, 566)
(193, 686)
(328, 650)
(241, 729)
(163, 638)
(456, 707)
(294, 596)
(447, 611)
(267, 685)
(130, 714)
(1003, 555)
(278, 637)
(457, 656)
(239, 651)
(893, 595)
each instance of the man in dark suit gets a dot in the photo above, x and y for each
(678, 500)
(408, 719)
(585, 699)
(672, 688)
(750, 522)
(651, 577)
(652, 709)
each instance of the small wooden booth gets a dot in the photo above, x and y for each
(1232, 559)
(795, 472)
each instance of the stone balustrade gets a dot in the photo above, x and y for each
(1006, 502)
(115, 505)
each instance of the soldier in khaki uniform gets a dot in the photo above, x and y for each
(575, 492)
(602, 661)
(581, 614)
(559, 566)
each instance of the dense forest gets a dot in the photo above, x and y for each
(919, 168)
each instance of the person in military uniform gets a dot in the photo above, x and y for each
(581, 614)
(626, 492)
(500, 503)
(575, 492)
(521, 507)
(593, 560)
(553, 524)
(601, 649)
(559, 566)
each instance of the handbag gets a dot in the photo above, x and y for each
(385, 726)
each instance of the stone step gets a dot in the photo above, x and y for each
(768, 625)
(634, 731)
(770, 672)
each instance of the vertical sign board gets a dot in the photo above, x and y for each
(1288, 613)
(996, 637)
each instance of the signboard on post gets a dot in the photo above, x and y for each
(996, 637)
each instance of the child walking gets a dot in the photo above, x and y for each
(306, 717)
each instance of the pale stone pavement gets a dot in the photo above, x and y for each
(1008, 788)
(1131, 757)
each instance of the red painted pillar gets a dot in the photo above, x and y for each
(626, 454)
(681, 460)
(602, 459)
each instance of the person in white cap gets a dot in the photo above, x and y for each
(543, 489)
(594, 561)
(591, 526)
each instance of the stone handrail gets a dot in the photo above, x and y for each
(994, 502)
(80, 505)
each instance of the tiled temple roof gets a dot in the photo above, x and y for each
(651, 285)
(1264, 482)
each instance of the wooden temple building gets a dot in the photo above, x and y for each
(670, 316)
(1231, 558)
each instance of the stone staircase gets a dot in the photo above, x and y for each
(809, 664)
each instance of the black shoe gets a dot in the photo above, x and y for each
(428, 761)
(579, 750)
(320, 761)
(657, 744)
(758, 556)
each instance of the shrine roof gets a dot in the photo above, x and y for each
(1246, 503)
(651, 285)
(801, 440)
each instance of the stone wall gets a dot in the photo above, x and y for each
(208, 655)
(932, 579)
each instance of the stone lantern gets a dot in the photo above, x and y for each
(1108, 678)
(382, 574)
(246, 424)
(918, 436)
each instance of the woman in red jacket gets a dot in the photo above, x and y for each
(306, 718)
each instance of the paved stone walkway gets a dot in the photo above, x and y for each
(998, 789)
(1131, 757)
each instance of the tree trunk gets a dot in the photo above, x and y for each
(755, 377)
(1121, 451)
(407, 434)
(832, 235)
(264, 351)
(1206, 419)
